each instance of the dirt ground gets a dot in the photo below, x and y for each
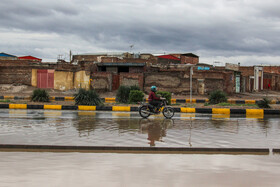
(24, 91)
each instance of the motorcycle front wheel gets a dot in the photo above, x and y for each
(144, 111)
(168, 112)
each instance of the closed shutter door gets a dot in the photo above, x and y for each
(45, 78)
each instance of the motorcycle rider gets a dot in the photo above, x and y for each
(154, 99)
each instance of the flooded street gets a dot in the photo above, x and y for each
(39, 127)
(128, 129)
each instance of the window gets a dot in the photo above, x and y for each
(123, 69)
(102, 68)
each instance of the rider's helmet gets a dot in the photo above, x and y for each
(153, 88)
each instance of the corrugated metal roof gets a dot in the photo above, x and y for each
(6, 55)
(169, 57)
(29, 58)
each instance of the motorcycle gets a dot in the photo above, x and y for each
(146, 109)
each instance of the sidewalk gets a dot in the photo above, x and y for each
(25, 91)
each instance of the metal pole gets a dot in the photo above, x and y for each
(191, 72)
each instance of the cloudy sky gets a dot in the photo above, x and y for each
(245, 31)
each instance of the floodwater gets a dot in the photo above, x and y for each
(128, 129)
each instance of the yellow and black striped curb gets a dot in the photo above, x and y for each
(69, 107)
(117, 149)
(28, 98)
(107, 99)
(227, 111)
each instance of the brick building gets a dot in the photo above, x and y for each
(176, 78)
(187, 58)
(257, 78)
(107, 71)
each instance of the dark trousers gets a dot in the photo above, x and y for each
(155, 103)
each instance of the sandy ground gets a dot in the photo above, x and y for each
(23, 90)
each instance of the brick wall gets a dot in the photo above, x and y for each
(15, 71)
(136, 69)
(20, 71)
(249, 71)
(101, 81)
(167, 61)
(123, 60)
(85, 57)
(11, 75)
(246, 71)
(189, 60)
(131, 79)
(271, 69)
(179, 82)
(174, 82)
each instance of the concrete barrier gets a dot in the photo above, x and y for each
(259, 113)
(121, 108)
(87, 108)
(221, 111)
(53, 107)
(118, 149)
(18, 106)
(187, 110)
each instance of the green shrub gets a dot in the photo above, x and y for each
(87, 97)
(5, 101)
(217, 96)
(135, 96)
(166, 95)
(134, 88)
(263, 103)
(123, 93)
(40, 95)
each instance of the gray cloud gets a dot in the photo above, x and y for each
(212, 29)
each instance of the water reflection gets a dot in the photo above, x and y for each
(124, 124)
(264, 125)
(155, 129)
(85, 123)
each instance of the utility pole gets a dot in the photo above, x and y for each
(191, 72)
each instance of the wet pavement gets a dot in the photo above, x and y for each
(117, 170)
(128, 129)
